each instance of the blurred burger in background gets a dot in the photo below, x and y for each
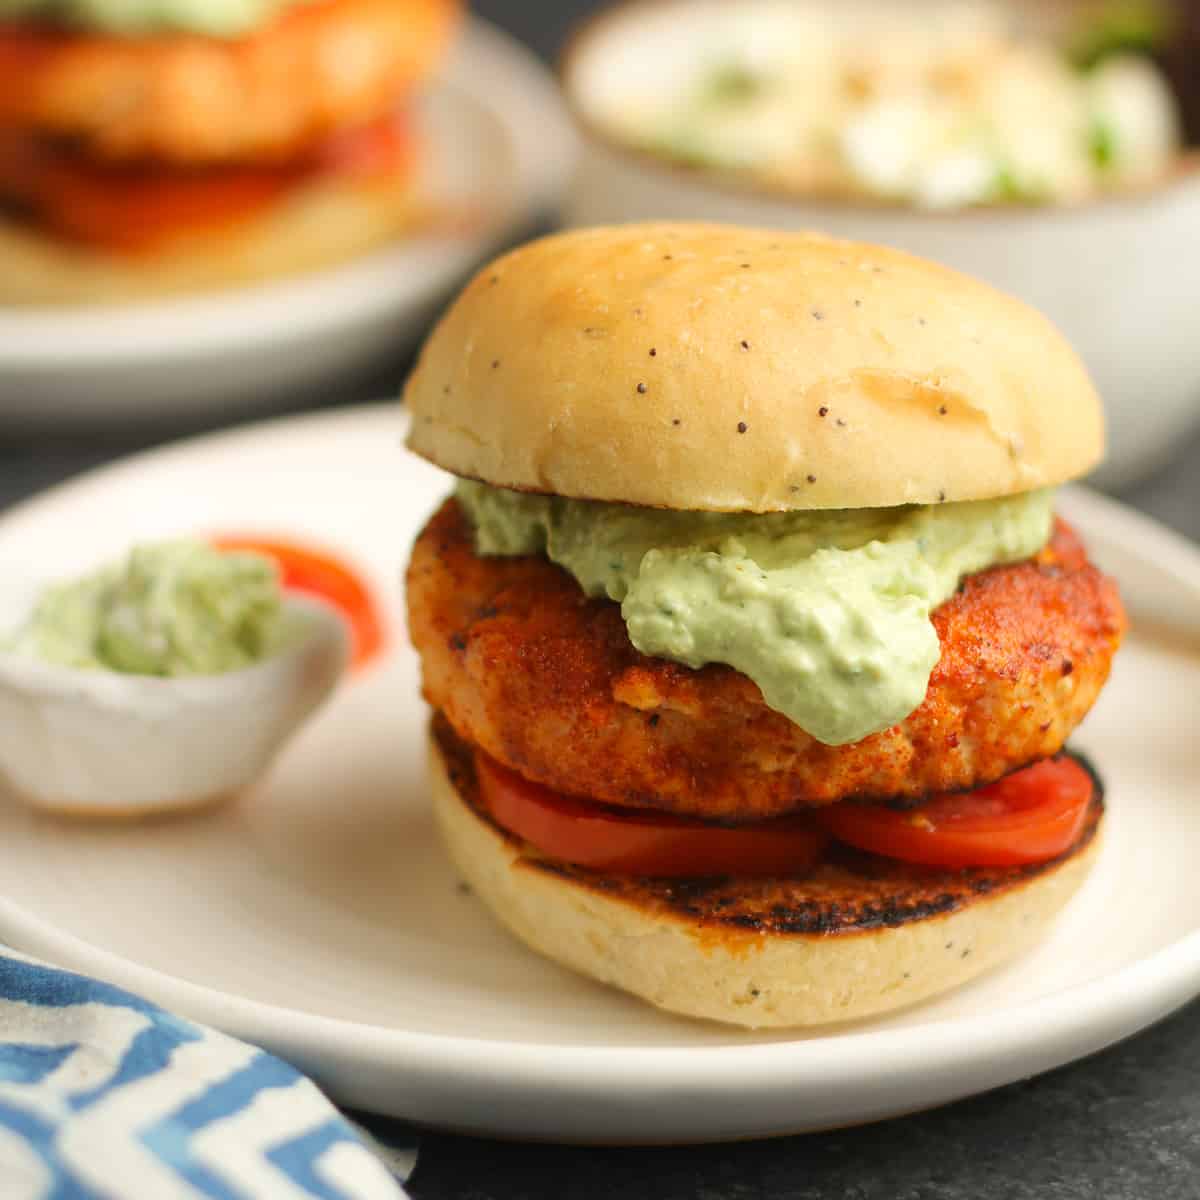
(157, 146)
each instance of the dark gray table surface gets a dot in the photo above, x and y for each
(1124, 1124)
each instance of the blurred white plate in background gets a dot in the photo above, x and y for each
(319, 917)
(500, 148)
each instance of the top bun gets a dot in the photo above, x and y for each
(716, 368)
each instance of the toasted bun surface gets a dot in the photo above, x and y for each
(709, 367)
(868, 943)
(321, 223)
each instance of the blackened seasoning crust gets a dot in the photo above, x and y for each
(551, 686)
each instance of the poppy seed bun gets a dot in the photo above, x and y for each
(712, 963)
(709, 367)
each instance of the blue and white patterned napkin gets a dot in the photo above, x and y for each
(103, 1095)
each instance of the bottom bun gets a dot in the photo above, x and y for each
(859, 936)
(318, 224)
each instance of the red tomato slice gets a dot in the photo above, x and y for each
(641, 843)
(139, 212)
(384, 146)
(138, 207)
(1029, 816)
(319, 573)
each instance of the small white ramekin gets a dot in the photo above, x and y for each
(100, 743)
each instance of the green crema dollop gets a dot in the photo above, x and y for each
(827, 611)
(175, 608)
(215, 18)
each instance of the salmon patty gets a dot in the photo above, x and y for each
(545, 680)
(318, 68)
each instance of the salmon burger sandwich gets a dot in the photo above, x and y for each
(158, 146)
(752, 637)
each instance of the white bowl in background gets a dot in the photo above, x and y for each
(1119, 276)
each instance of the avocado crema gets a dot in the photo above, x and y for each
(174, 608)
(827, 611)
(216, 18)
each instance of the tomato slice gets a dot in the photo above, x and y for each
(383, 147)
(1029, 816)
(640, 843)
(135, 208)
(319, 573)
(134, 212)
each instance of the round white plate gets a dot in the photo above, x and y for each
(500, 151)
(318, 916)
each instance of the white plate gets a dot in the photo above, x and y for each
(500, 146)
(319, 917)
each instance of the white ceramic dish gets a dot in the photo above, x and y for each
(318, 917)
(1119, 277)
(501, 150)
(100, 743)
